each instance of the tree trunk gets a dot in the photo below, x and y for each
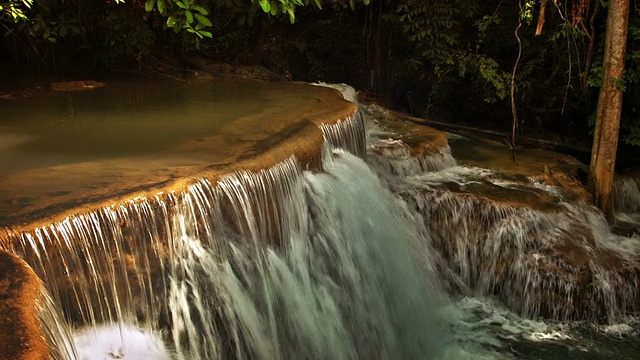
(380, 45)
(605, 140)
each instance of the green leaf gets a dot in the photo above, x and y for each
(205, 33)
(181, 5)
(149, 5)
(199, 9)
(203, 20)
(292, 16)
(265, 5)
(172, 20)
(161, 6)
(189, 16)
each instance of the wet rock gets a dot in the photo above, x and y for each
(540, 166)
(20, 335)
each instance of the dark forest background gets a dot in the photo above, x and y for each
(449, 60)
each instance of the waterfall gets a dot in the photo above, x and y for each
(346, 261)
(540, 252)
(559, 261)
(341, 284)
(54, 328)
(626, 203)
(272, 264)
(626, 195)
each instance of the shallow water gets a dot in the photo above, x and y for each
(59, 147)
(121, 119)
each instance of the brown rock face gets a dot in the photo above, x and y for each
(21, 337)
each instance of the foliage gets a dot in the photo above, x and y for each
(288, 7)
(435, 52)
(526, 12)
(14, 11)
(187, 15)
(439, 32)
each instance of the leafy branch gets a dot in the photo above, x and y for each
(185, 15)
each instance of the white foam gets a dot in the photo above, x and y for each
(348, 92)
(460, 175)
(487, 322)
(119, 342)
(619, 330)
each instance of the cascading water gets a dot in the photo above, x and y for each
(273, 264)
(342, 263)
(276, 264)
(554, 262)
(342, 284)
(626, 200)
(54, 328)
(526, 242)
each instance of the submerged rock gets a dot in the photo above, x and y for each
(79, 85)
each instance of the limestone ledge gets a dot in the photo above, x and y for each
(39, 198)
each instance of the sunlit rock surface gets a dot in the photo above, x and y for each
(20, 333)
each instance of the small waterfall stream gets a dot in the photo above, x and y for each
(352, 261)
(540, 252)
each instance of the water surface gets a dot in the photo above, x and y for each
(82, 146)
